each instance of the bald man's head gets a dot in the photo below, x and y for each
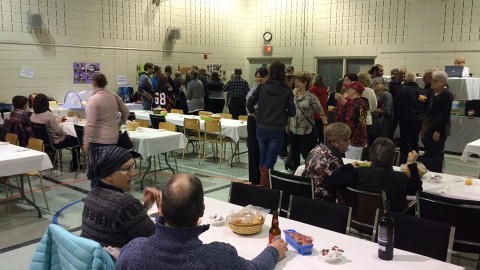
(182, 201)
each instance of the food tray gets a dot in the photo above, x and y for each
(303, 250)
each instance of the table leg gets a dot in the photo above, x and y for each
(168, 164)
(149, 161)
(22, 194)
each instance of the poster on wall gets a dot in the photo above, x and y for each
(83, 72)
(214, 68)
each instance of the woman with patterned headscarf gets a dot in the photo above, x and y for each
(111, 216)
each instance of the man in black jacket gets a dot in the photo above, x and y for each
(409, 112)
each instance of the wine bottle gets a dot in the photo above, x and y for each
(386, 234)
(274, 232)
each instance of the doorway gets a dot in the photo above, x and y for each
(255, 63)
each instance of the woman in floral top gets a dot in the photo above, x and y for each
(324, 163)
(302, 134)
(355, 115)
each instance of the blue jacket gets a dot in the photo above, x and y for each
(60, 249)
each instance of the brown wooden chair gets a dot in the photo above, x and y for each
(226, 115)
(169, 127)
(37, 144)
(243, 117)
(366, 208)
(142, 123)
(213, 134)
(11, 138)
(191, 129)
(179, 111)
(204, 113)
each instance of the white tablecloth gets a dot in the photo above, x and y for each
(134, 106)
(148, 142)
(359, 253)
(234, 129)
(452, 186)
(60, 111)
(461, 88)
(463, 131)
(18, 160)
(471, 148)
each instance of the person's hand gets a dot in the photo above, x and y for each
(338, 97)
(412, 157)
(281, 247)
(436, 136)
(151, 195)
(355, 164)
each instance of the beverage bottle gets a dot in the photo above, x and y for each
(386, 234)
(274, 232)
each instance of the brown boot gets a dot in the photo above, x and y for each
(264, 177)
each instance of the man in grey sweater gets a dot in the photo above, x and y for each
(175, 244)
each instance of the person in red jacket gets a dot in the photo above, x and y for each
(320, 90)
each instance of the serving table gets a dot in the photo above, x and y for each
(16, 160)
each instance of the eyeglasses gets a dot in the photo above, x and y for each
(129, 169)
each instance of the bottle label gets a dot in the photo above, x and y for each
(383, 235)
(272, 238)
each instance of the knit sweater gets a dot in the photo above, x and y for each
(180, 248)
(113, 218)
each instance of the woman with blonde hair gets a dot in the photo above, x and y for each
(370, 95)
(302, 126)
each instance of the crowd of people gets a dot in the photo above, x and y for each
(283, 108)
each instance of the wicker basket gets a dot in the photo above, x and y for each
(246, 229)
(132, 126)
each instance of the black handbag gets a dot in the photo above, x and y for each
(124, 140)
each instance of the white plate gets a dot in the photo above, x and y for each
(332, 259)
(216, 222)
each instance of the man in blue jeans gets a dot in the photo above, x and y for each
(275, 105)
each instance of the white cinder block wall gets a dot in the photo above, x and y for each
(416, 34)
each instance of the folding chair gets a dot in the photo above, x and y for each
(422, 236)
(37, 144)
(331, 216)
(40, 131)
(366, 207)
(213, 134)
(156, 119)
(462, 214)
(245, 194)
(290, 184)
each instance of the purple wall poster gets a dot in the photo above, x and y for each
(83, 72)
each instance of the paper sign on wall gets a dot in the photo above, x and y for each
(27, 72)
(121, 79)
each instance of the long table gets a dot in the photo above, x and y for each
(461, 88)
(452, 186)
(147, 142)
(359, 253)
(232, 128)
(16, 160)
